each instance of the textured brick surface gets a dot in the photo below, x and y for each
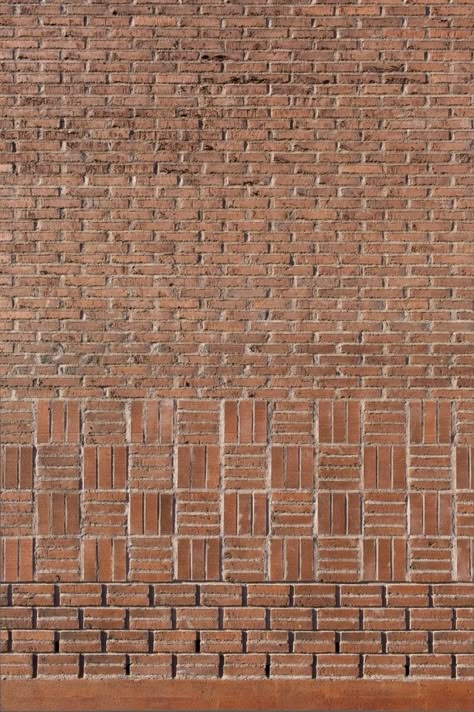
(236, 413)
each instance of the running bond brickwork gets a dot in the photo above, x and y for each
(236, 416)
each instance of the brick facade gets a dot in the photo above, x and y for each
(236, 416)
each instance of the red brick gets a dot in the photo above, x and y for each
(105, 467)
(268, 595)
(104, 559)
(174, 641)
(151, 422)
(198, 466)
(339, 421)
(247, 666)
(16, 559)
(244, 618)
(58, 513)
(221, 594)
(198, 559)
(338, 619)
(384, 619)
(127, 641)
(221, 641)
(80, 641)
(121, 594)
(156, 665)
(151, 513)
(104, 665)
(197, 618)
(245, 513)
(338, 559)
(201, 665)
(175, 594)
(430, 666)
(147, 618)
(150, 559)
(244, 558)
(292, 666)
(57, 665)
(384, 467)
(292, 559)
(339, 513)
(407, 642)
(389, 666)
(57, 618)
(267, 641)
(360, 642)
(314, 642)
(334, 666)
(245, 422)
(401, 594)
(40, 594)
(464, 665)
(33, 641)
(315, 594)
(236, 416)
(292, 467)
(16, 467)
(465, 467)
(58, 421)
(16, 665)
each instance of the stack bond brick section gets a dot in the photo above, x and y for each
(236, 366)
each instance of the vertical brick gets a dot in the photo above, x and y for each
(151, 422)
(245, 513)
(339, 422)
(291, 559)
(384, 467)
(245, 422)
(16, 467)
(104, 559)
(16, 559)
(292, 467)
(198, 466)
(105, 467)
(430, 422)
(151, 513)
(58, 513)
(58, 421)
(465, 467)
(430, 513)
(339, 513)
(385, 559)
(198, 559)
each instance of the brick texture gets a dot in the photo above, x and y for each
(236, 406)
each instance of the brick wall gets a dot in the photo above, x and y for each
(236, 416)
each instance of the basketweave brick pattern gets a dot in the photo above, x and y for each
(205, 545)
(236, 406)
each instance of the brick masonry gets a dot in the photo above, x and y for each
(236, 415)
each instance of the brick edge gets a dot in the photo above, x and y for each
(356, 696)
